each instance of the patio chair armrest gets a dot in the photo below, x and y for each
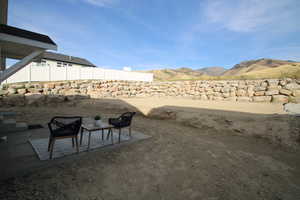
(50, 127)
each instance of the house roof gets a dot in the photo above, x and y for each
(66, 58)
(10, 30)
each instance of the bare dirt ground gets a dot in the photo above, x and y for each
(205, 159)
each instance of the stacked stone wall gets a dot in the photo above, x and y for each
(275, 90)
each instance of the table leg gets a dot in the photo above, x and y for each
(81, 133)
(89, 140)
(107, 137)
(112, 135)
(102, 134)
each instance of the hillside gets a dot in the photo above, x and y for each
(212, 71)
(283, 71)
(254, 66)
(176, 74)
(252, 69)
(186, 73)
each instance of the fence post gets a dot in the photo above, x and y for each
(79, 73)
(49, 69)
(66, 73)
(30, 72)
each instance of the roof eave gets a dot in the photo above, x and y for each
(26, 41)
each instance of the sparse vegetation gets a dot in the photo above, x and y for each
(248, 70)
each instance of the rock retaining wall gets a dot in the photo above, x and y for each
(274, 90)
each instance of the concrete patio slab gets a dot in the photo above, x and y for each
(19, 158)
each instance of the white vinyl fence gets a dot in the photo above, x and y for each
(53, 73)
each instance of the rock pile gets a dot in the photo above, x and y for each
(275, 90)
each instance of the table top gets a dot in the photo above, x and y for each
(89, 124)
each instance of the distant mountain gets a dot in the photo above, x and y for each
(176, 74)
(253, 66)
(212, 71)
(252, 69)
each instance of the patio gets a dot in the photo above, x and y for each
(30, 149)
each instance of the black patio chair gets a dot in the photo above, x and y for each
(122, 122)
(64, 127)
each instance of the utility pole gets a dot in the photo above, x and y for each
(3, 20)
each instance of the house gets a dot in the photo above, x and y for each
(23, 45)
(60, 60)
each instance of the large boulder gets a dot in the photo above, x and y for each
(218, 98)
(250, 92)
(271, 92)
(241, 92)
(230, 99)
(292, 108)
(282, 82)
(272, 82)
(285, 92)
(203, 97)
(49, 85)
(292, 86)
(259, 93)
(3, 92)
(35, 90)
(262, 98)
(294, 99)
(21, 91)
(12, 91)
(225, 89)
(280, 99)
(226, 95)
(244, 99)
(264, 84)
(296, 93)
(18, 86)
(260, 88)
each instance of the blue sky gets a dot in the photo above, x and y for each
(154, 34)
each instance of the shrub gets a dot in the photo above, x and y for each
(97, 117)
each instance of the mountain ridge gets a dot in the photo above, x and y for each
(251, 69)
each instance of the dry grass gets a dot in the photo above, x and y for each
(284, 71)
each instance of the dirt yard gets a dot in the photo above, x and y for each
(198, 150)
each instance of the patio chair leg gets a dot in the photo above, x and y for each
(81, 133)
(51, 148)
(72, 142)
(49, 143)
(129, 131)
(89, 142)
(110, 131)
(119, 135)
(77, 147)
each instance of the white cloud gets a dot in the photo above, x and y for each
(128, 69)
(285, 53)
(250, 15)
(101, 3)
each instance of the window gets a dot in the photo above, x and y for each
(43, 63)
(58, 64)
(70, 65)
